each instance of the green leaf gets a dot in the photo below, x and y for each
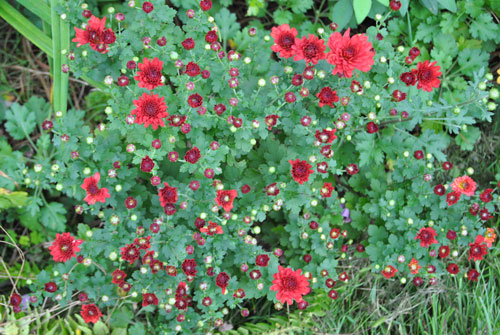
(100, 328)
(467, 139)
(137, 329)
(228, 24)
(361, 9)
(20, 121)
(384, 2)
(342, 13)
(53, 216)
(282, 16)
(12, 199)
(121, 318)
(449, 5)
(300, 6)
(431, 5)
(484, 28)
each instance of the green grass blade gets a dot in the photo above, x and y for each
(25, 27)
(64, 30)
(56, 52)
(37, 7)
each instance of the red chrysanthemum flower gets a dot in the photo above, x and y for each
(131, 202)
(414, 266)
(222, 281)
(192, 69)
(427, 75)
(211, 36)
(188, 43)
(151, 109)
(149, 74)
(452, 198)
(478, 249)
(290, 285)
(464, 185)
(444, 251)
(90, 313)
(486, 196)
(205, 5)
(156, 265)
(94, 193)
(192, 155)
(271, 121)
(426, 237)
(147, 164)
(225, 199)
(371, 127)
(143, 243)
(408, 78)
(211, 229)
(262, 260)
(352, 169)
(349, 53)
(311, 49)
(50, 287)
(130, 253)
(300, 170)
(389, 271)
(272, 189)
(149, 299)
(327, 97)
(195, 100)
(93, 34)
(326, 190)
(439, 190)
(245, 189)
(189, 267)
(167, 195)
(452, 268)
(284, 40)
(118, 276)
(473, 275)
(64, 247)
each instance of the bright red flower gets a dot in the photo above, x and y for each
(300, 170)
(131, 202)
(90, 313)
(311, 49)
(464, 185)
(473, 275)
(149, 74)
(486, 196)
(352, 169)
(211, 37)
(225, 199)
(453, 268)
(205, 5)
(478, 249)
(326, 190)
(130, 253)
(64, 247)
(192, 155)
(452, 198)
(192, 69)
(284, 40)
(290, 285)
(168, 195)
(188, 43)
(271, 121)
(222, 281)
(371, 127)
(325, 136)
(195, 100)
(389, 271)
(427, 75)
(262, 260)
(118, 276)
(151, 109)
(444, 251)
(327, 97)
(426, 237)
(211, 229)
(149, 299)
(408, 78)
(272, 189)
(93, 34)
(349, 53)
(414, 266)
(94, 193)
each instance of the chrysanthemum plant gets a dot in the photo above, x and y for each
(225, 175)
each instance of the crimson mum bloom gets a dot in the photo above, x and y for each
(262, 260)
(452, 198)
(311, 49)
(64, 247)
(149, 299)
(290, 285)
(90, 313)
(130, 253)
(327, 97)
(472, 275)
(193, 155)
(464, 185)
(211, 229)
(93, 34)
(147, 164)
(189, 267)
(94, 193)
(225, 199)
(195, 100)
(151, 109)
(349, 53)
(427, 75)
(222, 281)
(326, 190)
(426, 237)
(149, 74)
(300, 170)
(168, 195)
(389, 271)
(284, 40)
(477, 249)
(453, 268)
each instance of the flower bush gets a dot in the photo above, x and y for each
(220, 175)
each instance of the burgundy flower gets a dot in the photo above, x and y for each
(147, 164)
(327, 97)
(195, 100)
(192, 69)
(189, 267)
(188, 43)
(262, 260)
(149, 74)
(192, 155)
(222, 281)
